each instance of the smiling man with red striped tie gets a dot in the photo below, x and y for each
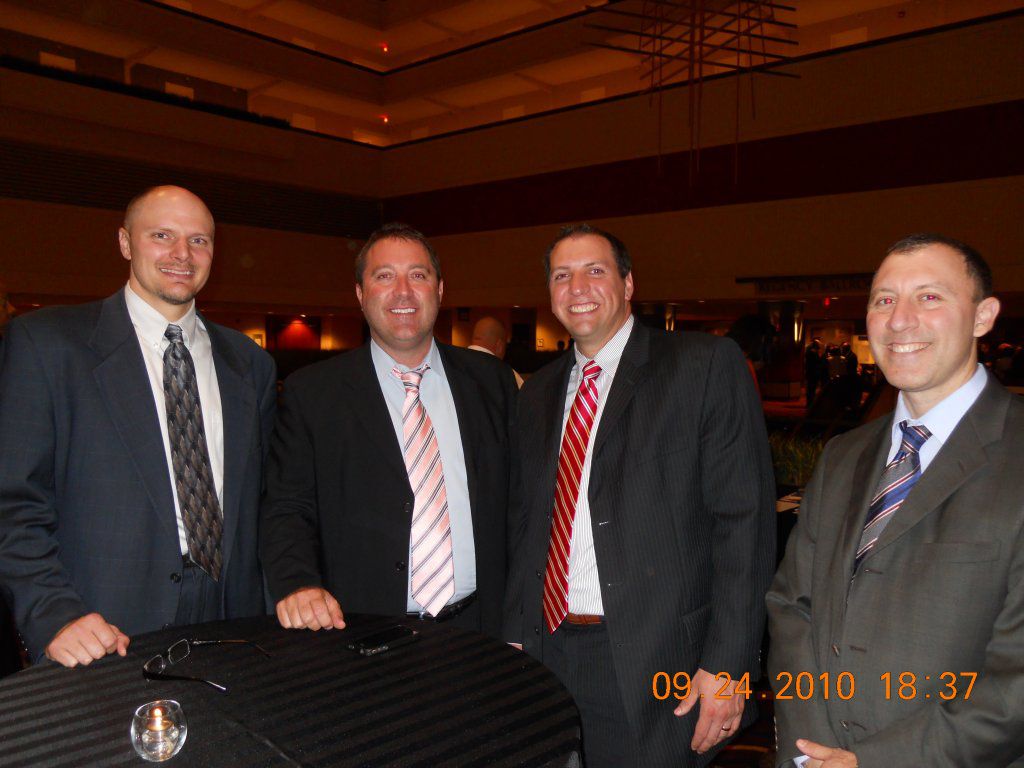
(904, 577)
(388, 473)
(645, 519)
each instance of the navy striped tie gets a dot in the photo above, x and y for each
(898, 478)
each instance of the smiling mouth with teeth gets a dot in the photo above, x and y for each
(577, 309)
(403, 310)
(177, 272)
(902, 348)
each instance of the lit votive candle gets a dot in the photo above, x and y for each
(158, 730)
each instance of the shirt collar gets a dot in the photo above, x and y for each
(383, 363)
(942, 418)
(609, 355)
(151, 324)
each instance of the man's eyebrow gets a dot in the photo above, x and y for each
(920, 287)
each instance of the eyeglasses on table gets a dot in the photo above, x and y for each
(155, 668)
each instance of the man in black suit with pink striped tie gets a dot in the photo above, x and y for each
(388, 473)
(644, 529)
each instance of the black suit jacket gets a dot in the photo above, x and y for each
(941, 592)
(681, 497)
(339, 505)
(87, 519)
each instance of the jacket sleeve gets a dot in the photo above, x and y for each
(289, 535)
(789, 626)
(34, 581)
(738, 496)
(512, 624)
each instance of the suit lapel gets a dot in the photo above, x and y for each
(870, 463)
(865, 480)
(466, 396)
(631, 372)
(552, 415)
(959, 458)
(238, 404)
(372, 410)
(123, 384)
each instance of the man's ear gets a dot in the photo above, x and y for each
(124, 242)
(359, 295)
(985, 315)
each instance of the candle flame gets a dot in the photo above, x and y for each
(157, 712)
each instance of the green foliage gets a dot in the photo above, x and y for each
(794, 458)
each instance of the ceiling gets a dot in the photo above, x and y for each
(385, 72)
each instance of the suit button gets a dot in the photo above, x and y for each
(167, 625)
(536, 630)
(400, 565)
(835, 649)
(175, 577)
(540, 575)
(408, 507)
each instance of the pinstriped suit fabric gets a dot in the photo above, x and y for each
(682, 514)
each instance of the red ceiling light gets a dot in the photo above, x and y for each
(384, 119)
(384, 48)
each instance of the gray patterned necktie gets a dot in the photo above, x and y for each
(193, 477)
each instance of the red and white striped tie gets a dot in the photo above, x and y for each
(433, 571)
(567, 491)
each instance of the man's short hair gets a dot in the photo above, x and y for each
(977, 268)
(395, 230)
(619, 250)
(133, 204)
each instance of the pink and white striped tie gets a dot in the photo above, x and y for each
(433, 571)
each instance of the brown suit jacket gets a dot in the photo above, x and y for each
(940, 595)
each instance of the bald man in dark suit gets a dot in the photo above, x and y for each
(102, 532)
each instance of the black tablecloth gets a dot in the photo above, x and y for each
(452, 698)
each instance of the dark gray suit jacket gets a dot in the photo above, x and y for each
(87, 519)
(339, 506)
(941, 592)
(681, 498)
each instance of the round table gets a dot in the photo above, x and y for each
(453, 698)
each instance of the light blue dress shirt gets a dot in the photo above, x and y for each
(940, 420)
(436, 396)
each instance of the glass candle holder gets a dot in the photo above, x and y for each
(158, 730)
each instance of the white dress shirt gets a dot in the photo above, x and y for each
(436, 396)
(584, 579)
(149, 328)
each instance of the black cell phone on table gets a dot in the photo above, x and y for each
(385, 640)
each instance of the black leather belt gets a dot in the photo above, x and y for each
(450, 611)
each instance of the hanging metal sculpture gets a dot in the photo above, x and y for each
(687, 42)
